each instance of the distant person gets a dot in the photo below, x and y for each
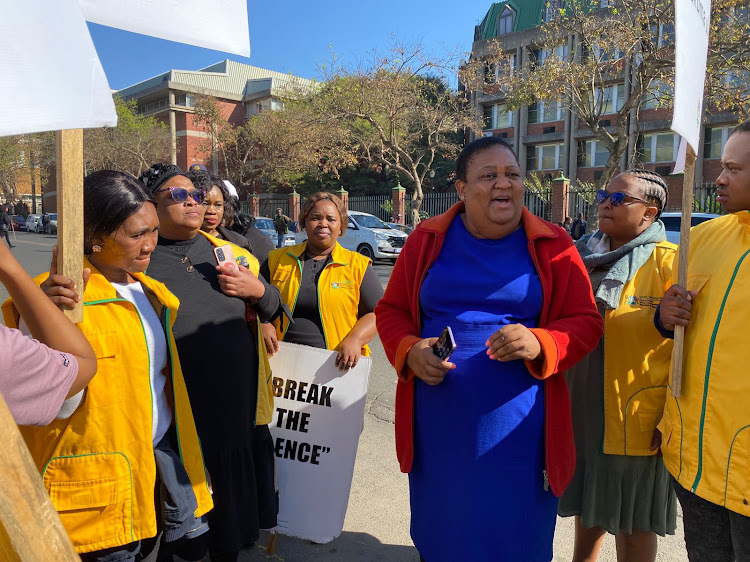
(281, 224)
(567, 224)
(37, 375)
(6, 224)
(45, 222)
(578, 228)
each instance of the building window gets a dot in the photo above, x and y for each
(594, 154)
(154, 106)
(663, 35)
(505, 22)
(544, 157)
(659, 147)
(716, 138)
(497, 116)
(610, 99)
(661, 94)
(185, 100)
(606, 3)
(541, 55)
(545, 111)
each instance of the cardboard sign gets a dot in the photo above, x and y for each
(318, 417)
(692, 19)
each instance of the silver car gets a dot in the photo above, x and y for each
(265, 225)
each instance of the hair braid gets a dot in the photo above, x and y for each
(655, 189)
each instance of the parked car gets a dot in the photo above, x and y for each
(265, 225)
(34, 223)
(51, 226)
(672, 223)
(369, 236)
(405, 228)
(19, 223)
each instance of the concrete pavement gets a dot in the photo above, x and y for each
(377, 521)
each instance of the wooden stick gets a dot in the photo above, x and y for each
(30, 528)
(271, 546)
(69, 150)
(682, 268)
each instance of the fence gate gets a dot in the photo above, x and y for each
(267, 207)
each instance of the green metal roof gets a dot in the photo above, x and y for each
(528, 14)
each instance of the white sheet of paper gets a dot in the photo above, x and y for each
(692, 18)
(317, 444)
(215, 24)
(52, 77)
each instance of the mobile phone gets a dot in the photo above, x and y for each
(225, 256)
(445, 344)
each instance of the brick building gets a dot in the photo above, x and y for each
(241, 90)
(550, 140)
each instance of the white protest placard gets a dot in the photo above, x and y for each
(318, 417)
(52, 76)
(692, 19)
(218, 24)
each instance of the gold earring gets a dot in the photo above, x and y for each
(96, 248)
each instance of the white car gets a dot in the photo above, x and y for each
(369, 236)
(265, 225)
(672, 223)
(34, 223)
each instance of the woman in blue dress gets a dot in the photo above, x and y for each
(486, 436)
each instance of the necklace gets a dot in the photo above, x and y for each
(189, 254)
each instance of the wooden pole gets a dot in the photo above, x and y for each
(30, 528)
(69, 151)
(682, 268)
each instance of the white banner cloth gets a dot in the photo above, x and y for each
(318, 417)
(52, 77)
(692, 18)
(216, 24)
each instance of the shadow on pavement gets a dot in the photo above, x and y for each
(349, 547)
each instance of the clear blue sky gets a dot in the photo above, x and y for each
(296, 36)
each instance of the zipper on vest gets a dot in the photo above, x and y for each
(545, 477)
(709, 361)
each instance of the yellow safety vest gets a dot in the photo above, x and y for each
(338, 289)
(98, 465)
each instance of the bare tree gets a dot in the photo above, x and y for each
(399, 110)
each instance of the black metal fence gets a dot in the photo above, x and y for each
(582, 199)
(704, 199)
(379, 205)
(434, 203)
(538, 201)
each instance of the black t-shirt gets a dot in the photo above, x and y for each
(307, 328)
(217, 349)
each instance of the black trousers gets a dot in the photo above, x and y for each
(712, 532)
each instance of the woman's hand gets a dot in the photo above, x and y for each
(349, 353)
(240, 282)
(425, 364)
(269, 338)
(60, 289)
(676, 307)
(512, 342)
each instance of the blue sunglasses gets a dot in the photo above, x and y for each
(617, 198)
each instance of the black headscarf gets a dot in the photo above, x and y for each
(158, 174)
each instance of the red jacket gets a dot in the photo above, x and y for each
(569, 327)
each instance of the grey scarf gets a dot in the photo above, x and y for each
(609, 271)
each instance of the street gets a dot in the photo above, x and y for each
(377, 521)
